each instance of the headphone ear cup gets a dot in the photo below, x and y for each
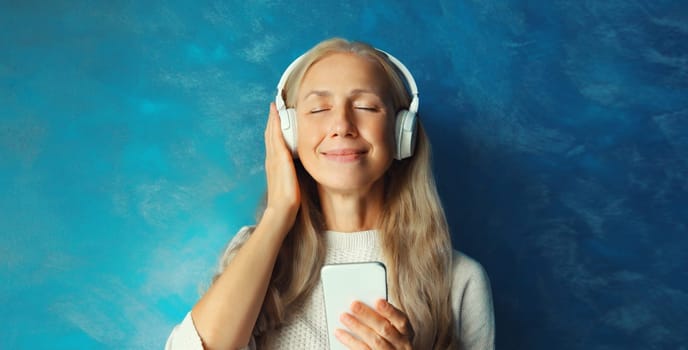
(405, 134)
(288, 126)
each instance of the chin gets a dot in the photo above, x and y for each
(346, 183)
(343, 186)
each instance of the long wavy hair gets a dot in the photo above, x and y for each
(413, 229)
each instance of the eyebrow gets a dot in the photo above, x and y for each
(326, 93)
(319, 93)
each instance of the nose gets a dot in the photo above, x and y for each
(343, 123)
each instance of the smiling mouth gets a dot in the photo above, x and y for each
(344, 155)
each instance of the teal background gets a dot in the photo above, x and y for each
(131, 151)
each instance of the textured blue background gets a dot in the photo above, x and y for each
(131, 151)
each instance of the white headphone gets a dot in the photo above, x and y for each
(405, 125)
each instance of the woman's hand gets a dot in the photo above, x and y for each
(284, 196)
(384, 327)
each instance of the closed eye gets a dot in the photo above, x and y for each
(367, 108)
(317, 110)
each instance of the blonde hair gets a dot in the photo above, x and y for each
(413, 230)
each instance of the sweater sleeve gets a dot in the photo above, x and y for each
(473, 309)
(184, 336)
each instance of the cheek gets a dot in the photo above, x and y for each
(391, 131)
(307, 135)
(386, 133)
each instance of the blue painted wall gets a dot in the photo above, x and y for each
(131, 151)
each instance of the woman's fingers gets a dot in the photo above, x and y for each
(274, 142)
(376, 330)
(283, 188)
(397, 318)
(272, 130)
(350, 341)
(365, 335)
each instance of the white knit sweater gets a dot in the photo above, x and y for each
(471, 301)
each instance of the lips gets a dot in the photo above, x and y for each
(344, 154)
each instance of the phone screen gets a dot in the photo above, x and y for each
(345, 283)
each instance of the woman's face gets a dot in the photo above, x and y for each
(345, 123)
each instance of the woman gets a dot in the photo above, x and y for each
(343, 197)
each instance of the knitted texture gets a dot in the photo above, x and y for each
(307, 329)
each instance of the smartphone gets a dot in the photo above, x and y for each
(345, 283)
